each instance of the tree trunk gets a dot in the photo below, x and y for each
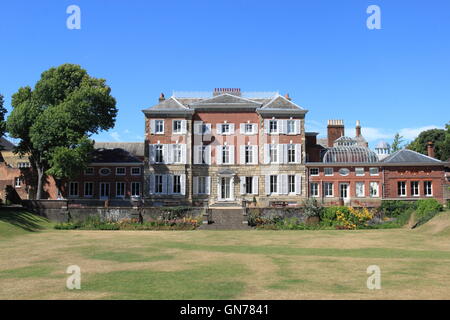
(40, 172)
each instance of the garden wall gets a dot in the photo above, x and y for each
(64, 211)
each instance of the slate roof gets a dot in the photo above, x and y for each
(116, 155)
(6, 144)
(135, 148)
(275, 104)
(406, 156)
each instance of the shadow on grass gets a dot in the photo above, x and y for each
(23, 219)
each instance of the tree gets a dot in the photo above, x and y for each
(2, 117)
(445, 156)
(54, 120)
(437, 136)
(397, 143)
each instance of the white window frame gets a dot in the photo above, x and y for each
(291, 150)
(374, 174)
(177, 153)
(276, 124)
(377, 194)
(92, 189)
(136, 174)
(413, 189)
(223, 126)
(104, 174)
(360, 174)
(176, 181)
(327, 174)
(159, 183)
(159, 129)
(156, 150)
(248, 150)
(292, 185)
(274, 149)
(86, 173)
(17, 182)
(425, 188)
(328, 186)
(133, 184)
(273, 180)
(314, 175)
(121, 174)
(202, 183)
(363, 194)
(77, 189)
(290, 122)
(225, 155)
(180, 131)
(398, 189)
(317, 189)
(252, 127)
(124, 189)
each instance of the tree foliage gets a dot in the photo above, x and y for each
(440, 139)
(2, 117)
(397, 144)
(54, 120)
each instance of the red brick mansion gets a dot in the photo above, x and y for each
(228, 146)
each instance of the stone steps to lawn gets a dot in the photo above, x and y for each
(227, 219)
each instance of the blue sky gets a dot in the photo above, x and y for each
(320, 52)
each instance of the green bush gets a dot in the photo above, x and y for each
(395, 208)
(427, 209)
(329, 214)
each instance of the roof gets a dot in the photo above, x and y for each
(135, 148)
(223, 102)
(350, 154)
(6, 144)
(116, 155)
(405, 156)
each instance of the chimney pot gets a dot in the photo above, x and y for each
(161, 97)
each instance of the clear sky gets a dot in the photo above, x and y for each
(319, 51)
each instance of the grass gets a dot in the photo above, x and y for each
(257, 264)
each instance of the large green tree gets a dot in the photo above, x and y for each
(54, 120)
(437, 136)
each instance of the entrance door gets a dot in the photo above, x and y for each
(225, 188)
(104, 190)
(343, 190)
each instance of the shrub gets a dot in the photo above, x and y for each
(329, 214)
(394, 208)
(427, 209)
(312, 208)
(94, 223)
(352, 218)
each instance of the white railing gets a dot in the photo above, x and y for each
(209, 94)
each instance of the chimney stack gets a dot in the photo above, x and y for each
(430, 149)
(358, 128)
(287, 96)
(335, 130)
(161, 97)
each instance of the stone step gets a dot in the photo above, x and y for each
(227, 219)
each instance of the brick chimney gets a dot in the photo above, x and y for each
(335, 130)
(161, 97)
(287, 96)
(358, 128)
(430, 149)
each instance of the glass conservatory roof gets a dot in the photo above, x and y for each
(351, 154)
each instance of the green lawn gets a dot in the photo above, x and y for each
(257, 264)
